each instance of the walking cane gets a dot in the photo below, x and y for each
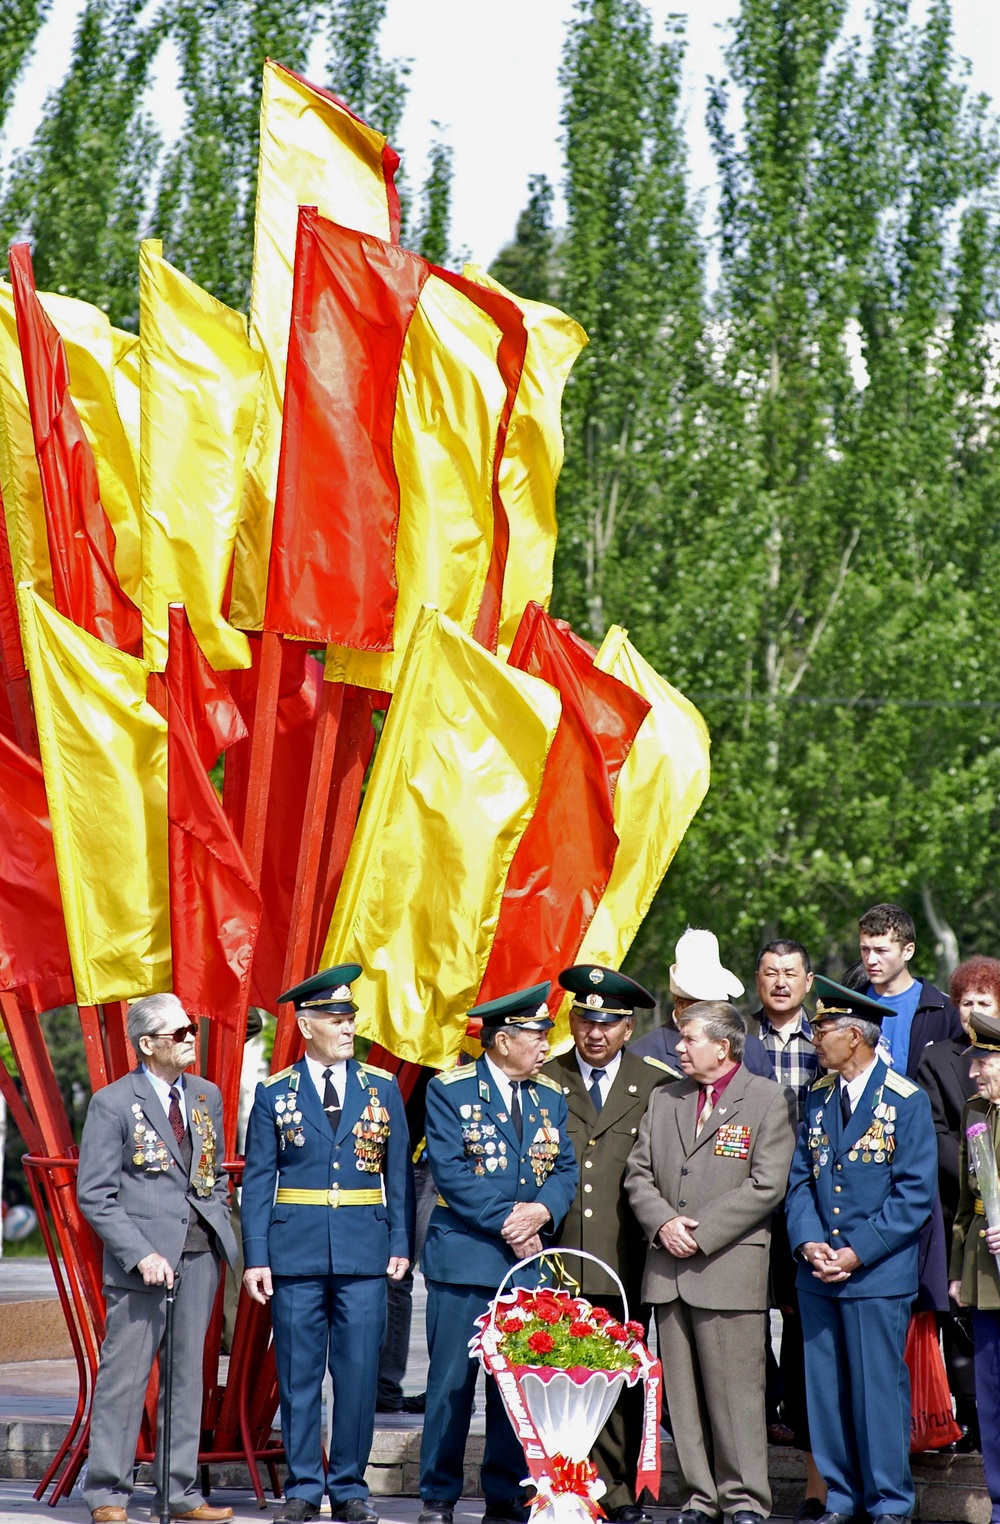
(167, 1385)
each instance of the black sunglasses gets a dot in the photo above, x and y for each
(181, 1034)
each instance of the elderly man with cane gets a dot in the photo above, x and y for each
(151, 1185)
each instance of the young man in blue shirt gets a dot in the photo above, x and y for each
(921, 1014)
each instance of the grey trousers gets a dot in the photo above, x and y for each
(134, 1331)
(713, 1379)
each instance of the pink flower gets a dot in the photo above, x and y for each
(541, 1342)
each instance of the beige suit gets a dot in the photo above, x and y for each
(711, 1307)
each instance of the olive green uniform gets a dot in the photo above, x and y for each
(600, 1221)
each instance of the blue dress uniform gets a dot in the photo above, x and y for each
(869, 1186)
(481, 1169)
(326, 1211)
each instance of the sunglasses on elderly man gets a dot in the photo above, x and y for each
(180, 1034)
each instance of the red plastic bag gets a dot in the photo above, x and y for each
(932, 1425)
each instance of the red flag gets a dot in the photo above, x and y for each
(81, 539)
(563, 862)
(214, 902)
(33, 948)
(332, 574)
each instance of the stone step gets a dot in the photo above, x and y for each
(33, 1330)
(950, 1488)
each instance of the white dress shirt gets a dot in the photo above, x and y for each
(338, 1077)
(504, 1084)
(856, 1087)
(161, 1089)
(605, 1075)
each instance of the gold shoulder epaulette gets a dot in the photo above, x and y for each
(272, 1079)
(657, 1063)
(543, 1079)
(464, 1071)
(899, 1083)
(367, 1068)
(824, 1082)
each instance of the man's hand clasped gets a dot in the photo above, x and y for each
(676, 1237)
(828, 1264)
(521, 1227)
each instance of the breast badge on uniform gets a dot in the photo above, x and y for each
(371, 1133)
(733, 1141)
(543, 1150)
(480, 1142)
(819, 1144)
(205, 1175)
(879, 1142)
(150, 1149)
(287, 1116)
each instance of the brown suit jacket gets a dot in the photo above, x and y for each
(670, 1174)
(600, 1219)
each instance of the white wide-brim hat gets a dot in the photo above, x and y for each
(697, 972)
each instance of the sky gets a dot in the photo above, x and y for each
(487, 73)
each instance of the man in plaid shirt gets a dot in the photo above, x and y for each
(784, 978)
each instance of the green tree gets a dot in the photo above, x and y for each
(80, 190)
(632, 276)
(432, 234)
(525, 265)
(830, 549)
(372, 86)
(20, 23)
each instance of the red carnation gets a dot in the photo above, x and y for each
(541, 1342)
(634, 1328)
(549, 1312)
(616, 1331)
(600, 1315)
(579, 1330)
(510, 1325)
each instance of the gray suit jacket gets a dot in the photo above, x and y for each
(138, 1208)
(670, 1174)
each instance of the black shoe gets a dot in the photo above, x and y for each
(395, 1406)
(353, 1511)
(505, 1511)
(842, 1518)
(296, 1510)
(691, 1516)
(809, 1509)
(747, 1516)
(415, 1404)
(435, 1512)
(631, 1513)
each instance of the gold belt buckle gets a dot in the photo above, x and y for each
(333, 1195)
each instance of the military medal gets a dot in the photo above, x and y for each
(370, 1134)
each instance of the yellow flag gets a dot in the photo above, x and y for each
(200, 381)
(104, 755)
(454, 784)
(533, 455)
(90, 352)
(449, 399)
(126, 379)
(19, 479)
(663, 781)
(313, 152)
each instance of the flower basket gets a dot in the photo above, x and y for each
(560, 1365)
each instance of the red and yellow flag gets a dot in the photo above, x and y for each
(33, 948)
(313, 152)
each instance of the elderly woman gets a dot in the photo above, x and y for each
(975, 1280)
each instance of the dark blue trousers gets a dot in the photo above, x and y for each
(858, 1390)
(986, 1335)
(316, 1317)
(451, 1387)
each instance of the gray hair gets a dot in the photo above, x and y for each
(869, 1031)
(721, 1021)
(146, 1016)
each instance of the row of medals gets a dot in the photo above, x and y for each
(370, 1135)
(482, 1146)
(878, 1142)
(288, 1118)
(149, 1146)
(544, 1150)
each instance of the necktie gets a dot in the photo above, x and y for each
(331, 1100)
(174, 1115)
(845, 1106)
(706, 1111)
(515, 1108)
(596, 1094)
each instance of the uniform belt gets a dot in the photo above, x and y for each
(334, 1197)
(980, 1210)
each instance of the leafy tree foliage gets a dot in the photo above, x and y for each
(20, 23)
(80, 190)
(526, 265)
